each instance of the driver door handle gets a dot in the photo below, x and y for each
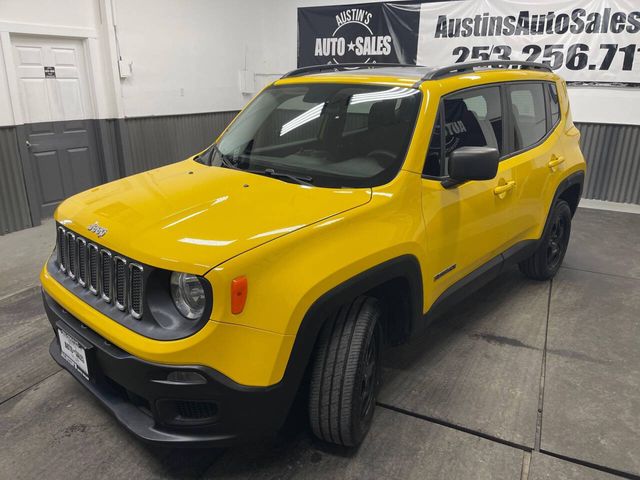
(555, 161)
(501, 190)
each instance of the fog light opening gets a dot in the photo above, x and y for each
(186, 378)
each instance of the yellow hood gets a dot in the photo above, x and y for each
(190, 217)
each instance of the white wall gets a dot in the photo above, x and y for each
(616, 105)
(187, 56)
(85, 19)
(189, 59)
(72, 13)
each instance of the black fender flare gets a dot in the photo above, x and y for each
(404, 267)
(515, 255)
(576, 178)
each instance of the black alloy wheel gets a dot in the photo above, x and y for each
(547, 259)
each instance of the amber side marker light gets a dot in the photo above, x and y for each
(239, 288)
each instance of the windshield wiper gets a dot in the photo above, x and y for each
(227, 162)
(270, 172)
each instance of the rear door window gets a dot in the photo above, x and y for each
(527, 104)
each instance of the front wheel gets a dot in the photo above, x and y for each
(546, 260)
(346, 374)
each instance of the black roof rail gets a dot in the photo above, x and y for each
(340, 67)
(470, 67)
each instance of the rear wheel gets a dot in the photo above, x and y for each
(546, 260)
(346, 374)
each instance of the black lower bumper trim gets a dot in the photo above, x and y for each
(144, 399)
(129, 415)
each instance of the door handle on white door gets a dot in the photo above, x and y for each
(29, 144)
(501, 190)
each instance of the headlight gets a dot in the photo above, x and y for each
(187, 291)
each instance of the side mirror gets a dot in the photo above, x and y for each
(472, 163)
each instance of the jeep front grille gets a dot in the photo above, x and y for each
(106, 266)
(120, 282)
(135, 297)
(61, 243)
(82, 261)
(93, 268)
(71, 254)
(113, 278)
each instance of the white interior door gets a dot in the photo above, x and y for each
(58, 138)
(52, 78)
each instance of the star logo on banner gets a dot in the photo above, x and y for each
(351, 46)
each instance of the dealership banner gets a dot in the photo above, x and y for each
(375, 32)
(588, 41)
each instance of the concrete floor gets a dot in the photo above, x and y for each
(525, 380)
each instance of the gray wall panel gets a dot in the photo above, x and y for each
(612, 153)
(151, 142)
(110, 147)
(132, 145)
(14, 207)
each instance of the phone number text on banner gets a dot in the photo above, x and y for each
(599, 41)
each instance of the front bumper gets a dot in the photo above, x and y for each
(211, 411)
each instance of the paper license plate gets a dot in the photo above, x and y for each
(74, 353)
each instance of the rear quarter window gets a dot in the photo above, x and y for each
(528, 114)
(554, 103)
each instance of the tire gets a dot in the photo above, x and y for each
(546, 260)
(345, 374)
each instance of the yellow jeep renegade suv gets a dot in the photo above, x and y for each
(339, 212)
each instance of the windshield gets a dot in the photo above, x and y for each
(327, 135)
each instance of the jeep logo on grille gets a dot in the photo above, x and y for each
(97, 229)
